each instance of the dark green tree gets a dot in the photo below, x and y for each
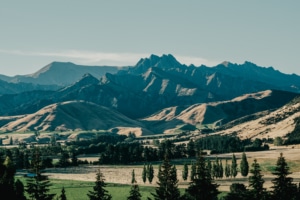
(221, 170)
(233, 166)
(99, 193)
(19, 190)
(209, 167)
(150, 173)
(167, 182)
(38, 186)
(256, 182)
(74, 159)
(227, 169)
(63, 194)
(144, 174)
(185, 172)
(283, 186)
(193, 171)
(133, 177)
(202, 186)
(244, 165)
(216, 167)
(238, 191)
(134, 193)
(191, 148)
(11, 141)
(64, 159)
(7, 178)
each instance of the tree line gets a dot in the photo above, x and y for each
(201, 186)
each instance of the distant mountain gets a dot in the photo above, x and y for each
(153, 84)
(215, 114)
(225, 80)
(73, 115)
(61, 74)
(14, 88)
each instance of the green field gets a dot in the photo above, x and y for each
(78, 190)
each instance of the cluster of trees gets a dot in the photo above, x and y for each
(120, 149)
(203, 187)
(283, 187)
(37, 185)
(148, 173)
(217, 170)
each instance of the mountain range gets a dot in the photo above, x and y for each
(157, 95)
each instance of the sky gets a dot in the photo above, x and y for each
(34, 33)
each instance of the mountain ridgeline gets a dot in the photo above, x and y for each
(158, 91)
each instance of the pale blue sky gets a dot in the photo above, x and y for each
(94, 32)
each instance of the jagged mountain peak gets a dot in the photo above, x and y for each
(165, 61)
(225, 63)
(88, 79)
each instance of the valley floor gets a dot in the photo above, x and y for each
(122, 174)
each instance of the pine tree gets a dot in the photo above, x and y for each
(202, 187)
(134, 193)
(209, 167)
(256, 182)
(233, 166)
(99, 193)
(133, 177)
(283, 187)
(217, 168)
(150, 174)
(238, 191)
(144, 174)
(74, 159)
(7, 178)
(244, 165)
(227, 169)
(221, 170)
(193, 171)
(38, 187)
(64, 160)
(185, 172)
(63, 194)
(167, 182)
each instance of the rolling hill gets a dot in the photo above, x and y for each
(215, 114)
(72, 115)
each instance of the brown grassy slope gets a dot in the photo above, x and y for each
(273, 124)
(216, 113)
(71, 115)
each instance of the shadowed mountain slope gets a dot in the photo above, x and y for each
(151, 85)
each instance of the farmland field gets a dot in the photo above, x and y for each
(120, 175)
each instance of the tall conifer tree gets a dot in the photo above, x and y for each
(233, 166)
(202, 186)
(167, 182)
(256, 182)
(185, 172)
(134, 193)
(283, 187)
(99, 193)
(38, 186)
(244, 165)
